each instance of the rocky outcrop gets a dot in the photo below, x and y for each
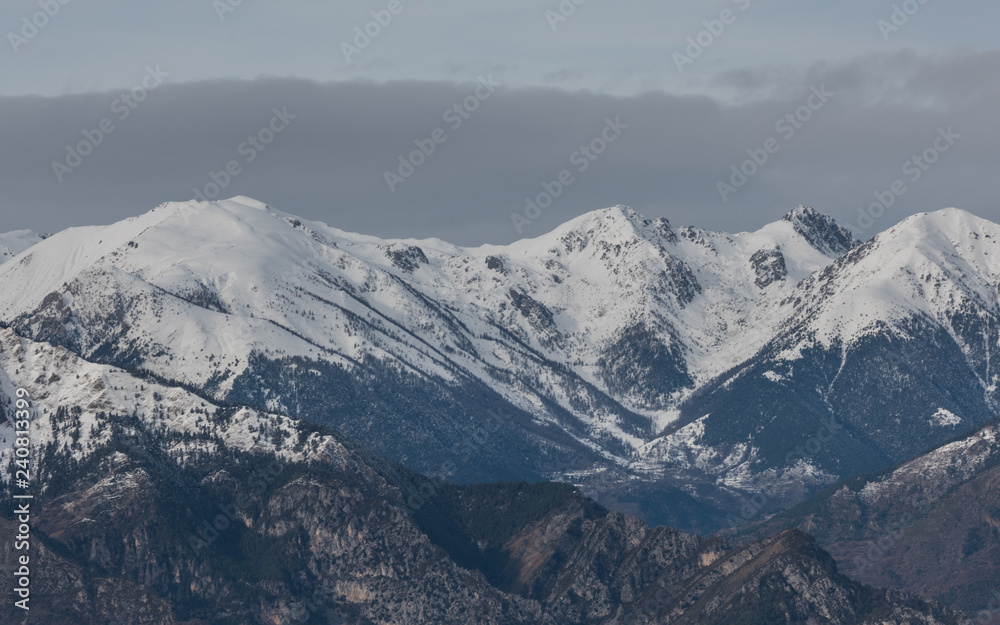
(406, 257)
(769, 266)
(930, 525)
(242, 538)
(821, 231)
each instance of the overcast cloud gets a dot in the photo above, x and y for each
(891, 101)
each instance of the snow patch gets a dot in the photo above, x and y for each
(944, 418)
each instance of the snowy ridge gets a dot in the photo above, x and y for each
(603, 330)
(897, 338)
(946, 465)
(94, 395)
(268, 282)
(13, 243)
(930, 264)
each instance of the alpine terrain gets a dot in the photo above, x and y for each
(241, 416)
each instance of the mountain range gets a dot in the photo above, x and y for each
(13, 243)
(697, 379)
(614, 344)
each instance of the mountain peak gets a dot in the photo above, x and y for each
(949, 229)
(614, 214)
(821, 231)
(616, 223)
(13, 243)
(235, 201)
(801, 211)
(951, 218)
(243, 200)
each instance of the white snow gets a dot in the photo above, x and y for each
(774, 377)
(292, 287)
(16, 242)
(58, 378)
(929, 265)
(941, 468)
(199, 287)
(944, 418)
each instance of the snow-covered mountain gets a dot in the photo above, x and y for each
(929, 524)
(151, 506)
(613, 345)
(885, 353)
(13, 243)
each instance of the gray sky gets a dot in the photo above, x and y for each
(892, 89)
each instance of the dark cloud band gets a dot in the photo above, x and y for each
(330, 164)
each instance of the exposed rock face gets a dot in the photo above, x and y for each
(236, 538)
(594, 337)
(406, 257)
(931, 525)
(66, 593)
(496, 264)
(538, 316)
(190, 396)
(822, 232)
(769, 265)
(682, 280)
(663, 227)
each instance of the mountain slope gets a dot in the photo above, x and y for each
(678, 371)
(885, 353)
(13, 243)
(931, 525)
(223, 296)
(151, 508)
